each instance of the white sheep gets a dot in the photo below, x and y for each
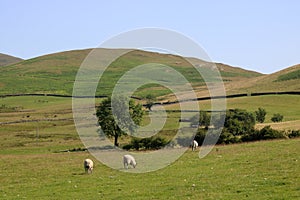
(88, 165)
(129, 160)
(194, 145)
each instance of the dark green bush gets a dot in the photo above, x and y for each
(277, 117)
(239, 122)
(146, 143)
(210, 134)
(265, 133)
(293, 133)
(127, 147)
(260, 115)
(228, 138)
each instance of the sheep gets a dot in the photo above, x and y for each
(194, 145)
(129, 160)
(88, 165)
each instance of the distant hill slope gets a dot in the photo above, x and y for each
(285, 80)
(8, 60)
(55, 73)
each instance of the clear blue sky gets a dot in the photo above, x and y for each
(258, 35)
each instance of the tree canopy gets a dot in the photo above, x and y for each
(117, 121)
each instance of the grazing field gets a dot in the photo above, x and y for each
(35, 132)
(260, 170)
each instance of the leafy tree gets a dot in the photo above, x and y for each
(119, 123)
(239, 122)
(277, 117)
(260, 115)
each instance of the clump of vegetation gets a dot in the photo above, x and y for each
(266, 133)
(150, 143)
(293, 133)
(260, 115)
(277, 117)
(239, 126)
(238, 122)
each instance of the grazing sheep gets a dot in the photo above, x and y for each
(88, 165)
(194, 145)
(129, 160)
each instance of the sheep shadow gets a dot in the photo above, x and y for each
(79, 174)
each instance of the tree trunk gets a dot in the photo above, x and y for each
(116, 140)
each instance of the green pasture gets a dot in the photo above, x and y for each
(260, 170)
(287, 105)
(34, 166)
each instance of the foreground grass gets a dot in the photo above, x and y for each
(260, 170)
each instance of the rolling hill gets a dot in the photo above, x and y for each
(8, 60)
(283, 80)
(55, 74)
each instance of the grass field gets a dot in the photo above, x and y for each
(260, 170)
(287, 105)
(33, 129)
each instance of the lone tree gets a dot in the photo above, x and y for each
(118, 123)
(260, 115)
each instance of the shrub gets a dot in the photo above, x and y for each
(253, 136)
(146, 143)
(210, 134)
(293, 133)
(265, 133)
(228, 138)
(268, 133)
(277, 117)
(128, 147)
(260, 115)
(199, 137)
(239, 122)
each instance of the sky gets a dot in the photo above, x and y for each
(259, 35)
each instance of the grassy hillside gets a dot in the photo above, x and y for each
(284, 80)
(8, 60)
(56, 73)
(53, 73)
